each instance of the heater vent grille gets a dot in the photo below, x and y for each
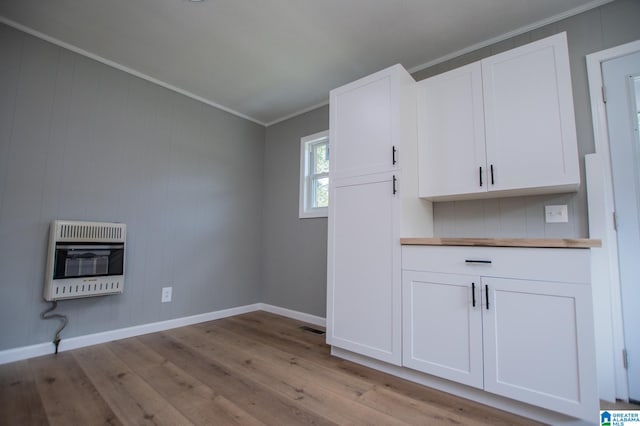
(90, 231)
(79, 288)
(89, 262)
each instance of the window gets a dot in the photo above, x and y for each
(314, 175)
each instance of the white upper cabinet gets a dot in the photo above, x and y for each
(451, 146)
(503, 126)
(530, 124)
(365, 118)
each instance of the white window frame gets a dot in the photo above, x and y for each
(304, 208)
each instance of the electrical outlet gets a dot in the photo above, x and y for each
(167, 292)
(556, 214)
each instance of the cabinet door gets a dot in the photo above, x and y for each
(364, 120)
(364, 288)
(442, 329)
(538, 344)
(529, 118)
(451, 148)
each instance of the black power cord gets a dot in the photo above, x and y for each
(63, 318)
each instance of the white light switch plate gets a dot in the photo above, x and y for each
(167, 293)
(556, 214)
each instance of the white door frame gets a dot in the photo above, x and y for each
(612, 376)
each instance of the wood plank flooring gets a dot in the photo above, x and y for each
(252, 369)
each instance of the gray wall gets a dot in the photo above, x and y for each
(293, 275)
(80, 140)
(607, 26)
(294, 250)
(211, 201)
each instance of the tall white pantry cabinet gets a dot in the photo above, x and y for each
(374, 201)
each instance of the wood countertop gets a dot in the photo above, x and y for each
(505, 242)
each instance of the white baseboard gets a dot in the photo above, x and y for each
(296, 315)
(463, 391)
(25, 352)
(17, 354)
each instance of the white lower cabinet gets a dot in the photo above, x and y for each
(538, 343)
(521, 336)
(442, 329)
(363, 309)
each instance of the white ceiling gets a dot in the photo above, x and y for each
(270, 59)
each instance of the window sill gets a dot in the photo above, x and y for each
(313, 214)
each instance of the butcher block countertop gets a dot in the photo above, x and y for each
(505, 242)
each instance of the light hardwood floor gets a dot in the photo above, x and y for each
(251, 369)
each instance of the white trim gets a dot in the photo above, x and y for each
(314, 214)
(296, 315)
(303, 211)
(463, 391)
(569, 13)
(609, 255)
(80, 51)
(297, 113)
(16, 354)
(521, 30)
(120, 67)
(601, 277)
(564, 15)
(25, 352)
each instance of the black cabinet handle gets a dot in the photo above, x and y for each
(394, 185)
(473, 294)
(486, 295)
(477, 261)
(492, 182)
(480, 175)
(393, 155)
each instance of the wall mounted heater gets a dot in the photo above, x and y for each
(84, 259)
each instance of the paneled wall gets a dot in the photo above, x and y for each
(80, 140)
(597, 29)
(294, 250)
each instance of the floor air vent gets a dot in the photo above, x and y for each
(311, 329)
